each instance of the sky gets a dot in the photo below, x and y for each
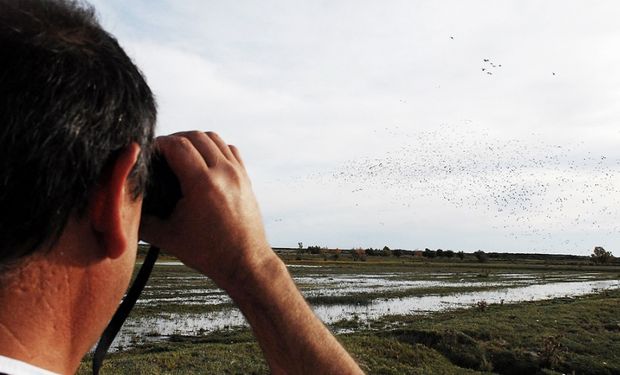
(451, 124)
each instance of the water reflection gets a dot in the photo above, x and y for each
(162, 325)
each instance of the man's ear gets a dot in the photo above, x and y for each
(108, 203)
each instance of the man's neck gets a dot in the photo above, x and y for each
(55, 305)
(39, 315)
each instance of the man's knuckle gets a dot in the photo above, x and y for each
(183, 143)
(239, 177)
(195, 134)
(214, 136)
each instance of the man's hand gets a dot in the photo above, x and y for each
(216, 228)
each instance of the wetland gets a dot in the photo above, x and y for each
(393, 314)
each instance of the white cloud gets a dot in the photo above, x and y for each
(303, 87)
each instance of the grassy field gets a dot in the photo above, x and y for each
(563, 335)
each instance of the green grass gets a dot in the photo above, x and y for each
(558, 336)
(408, 263)
(565, 335)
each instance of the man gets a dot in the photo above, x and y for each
(76, 136)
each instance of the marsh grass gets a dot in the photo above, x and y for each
(563, 335)
(368, 297)
(177, 308)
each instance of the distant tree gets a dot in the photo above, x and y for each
(481, 256)
(439, 253)
(428, 253)
(461, 255)
(371, 252)
(300, 245)
(386, 252)
(397, 253)
(601, 256)
(449, 253)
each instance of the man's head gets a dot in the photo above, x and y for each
(70, 102)
(76, 137)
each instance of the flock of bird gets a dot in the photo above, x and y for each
(489, 66)
(563, 195)
(529, 188)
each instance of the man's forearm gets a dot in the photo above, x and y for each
(292, 338)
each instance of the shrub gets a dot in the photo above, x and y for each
(371, 252)
(481, 256)
(601, 256)
(358, 254)
(336, 254)
(314, 249)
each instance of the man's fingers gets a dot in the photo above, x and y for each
(237, 154)
(222, 146)
(210, 145)
(183, 158)
(204, 144)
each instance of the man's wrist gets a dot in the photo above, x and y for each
(255, 280)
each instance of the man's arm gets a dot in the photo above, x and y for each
(292, 338)
(217, 229)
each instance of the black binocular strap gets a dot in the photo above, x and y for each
(124, 309)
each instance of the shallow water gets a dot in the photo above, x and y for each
(433, 303)
(189, 289)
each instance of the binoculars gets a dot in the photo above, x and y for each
(162, 189)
